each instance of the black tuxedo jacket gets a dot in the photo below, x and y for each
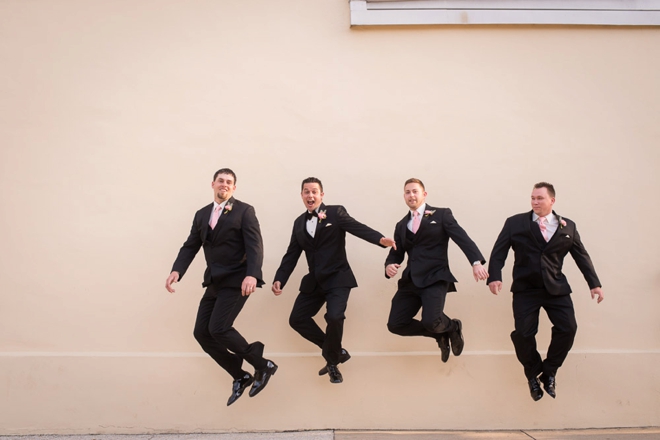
(538, 264)
(326, 252)
(233, 250)
(428, 262)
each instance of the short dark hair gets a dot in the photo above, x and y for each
(311, 180)
(546, 185)
(225, 171)
(413, 180)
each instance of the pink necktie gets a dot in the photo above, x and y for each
(416, 222)
(215, 217)
(543, 228)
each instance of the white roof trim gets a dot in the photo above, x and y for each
(548, 12)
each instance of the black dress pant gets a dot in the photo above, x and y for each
(526, 307)
(307, 305)
(215, 332)
(406, 304)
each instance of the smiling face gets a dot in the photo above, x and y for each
(223, 187)
(312, 196)
(414, 195)
(542, 202)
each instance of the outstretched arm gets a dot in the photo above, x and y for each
(187, 253)
(497, 258)
(360, 230)
(395, 256)
(254, 249)
(289, 261)
(460, 237)
(583, 261)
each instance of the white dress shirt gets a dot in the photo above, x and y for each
(412, 215)
(215, 205)
(311, 224)
(551, 224)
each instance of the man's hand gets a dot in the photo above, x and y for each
(277, 288)
(387, 242)
(392, 269)
(479, 272)
(248, 285)
(495, 287)
(597, 292)
(173, 278)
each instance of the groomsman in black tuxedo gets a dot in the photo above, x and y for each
(424, 234)
(321, 232)
(228, 230)
(540, 240)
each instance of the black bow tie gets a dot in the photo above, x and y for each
(309, 215)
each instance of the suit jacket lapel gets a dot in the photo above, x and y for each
(403, 228)
(300, 226)
(206, 217)
(319, 225)
(223, 216)
(559, 231)
(423, 222)
(426, 219)
(534, 231)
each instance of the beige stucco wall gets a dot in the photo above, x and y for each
(115, 114)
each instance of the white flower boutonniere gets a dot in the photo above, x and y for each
(322, 215)
(428, 212)
(228, 208)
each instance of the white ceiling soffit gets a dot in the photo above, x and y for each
(548, 12)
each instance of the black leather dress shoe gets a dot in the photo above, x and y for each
(261, 378)
(335, 374)
(456, 338)
(343, 357)
(443, 343)
(549, 385)
(535, 389)
(239, 386)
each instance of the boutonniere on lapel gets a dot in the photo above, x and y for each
(562, 222)
(322, 215)
(228, 208)
(428, 212)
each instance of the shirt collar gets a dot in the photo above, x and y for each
(216, 204)
(421, 209)
(550, 218)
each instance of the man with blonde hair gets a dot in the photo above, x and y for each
(424, 234)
